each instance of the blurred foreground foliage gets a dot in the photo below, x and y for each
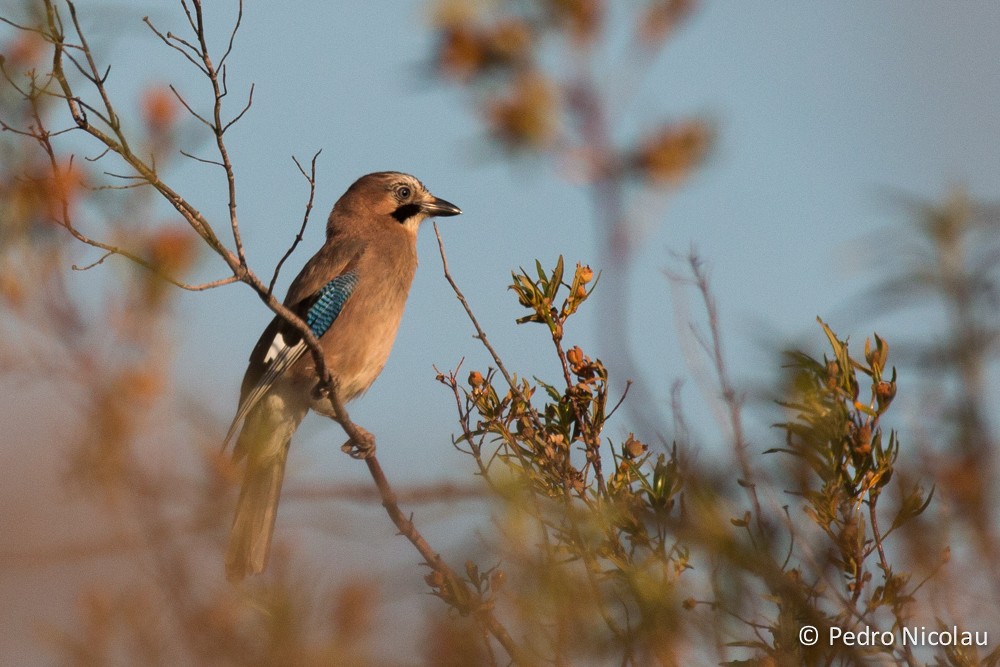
(612, 552)
(598, 548)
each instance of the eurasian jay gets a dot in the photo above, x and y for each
(351, 295)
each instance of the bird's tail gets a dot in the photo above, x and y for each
(265, 444)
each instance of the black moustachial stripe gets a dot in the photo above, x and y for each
(405, 212)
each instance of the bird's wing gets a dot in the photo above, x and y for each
(281, 345)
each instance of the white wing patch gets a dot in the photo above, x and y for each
(277, 345)
(326, 306)
(279, 358)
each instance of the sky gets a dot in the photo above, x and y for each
(819, 108)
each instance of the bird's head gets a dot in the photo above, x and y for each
(392, 195)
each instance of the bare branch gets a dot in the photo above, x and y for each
(113, 122)
(130, 186)
(196, 21)
(215, 163)
(117, 144)
(126, 177)
(730, 397)
(6, 127)
(481, 334)
(88, 267)
(25, 28)
(183, 42)
(224, 71)
(456, 592)
(95, 159)
(232, 35)
(187, 106)
(85, 110)
(187, 11)
(240, 114)
(628, 385)
(166, 39)
(481, 612)
(110, 250)
(311, 178)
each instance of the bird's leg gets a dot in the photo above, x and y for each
(361, 445)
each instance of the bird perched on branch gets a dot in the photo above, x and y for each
(351, 295)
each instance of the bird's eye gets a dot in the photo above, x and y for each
(403, 192)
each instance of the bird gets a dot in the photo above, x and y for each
(351, 294)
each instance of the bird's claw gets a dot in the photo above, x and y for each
(321, 391)
(361, 448)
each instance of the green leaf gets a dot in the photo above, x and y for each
(556, 279)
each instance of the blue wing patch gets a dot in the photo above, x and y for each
(330, 301)
(280, 356)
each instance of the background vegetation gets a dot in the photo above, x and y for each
(596, 549)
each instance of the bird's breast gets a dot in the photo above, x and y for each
(358, 343)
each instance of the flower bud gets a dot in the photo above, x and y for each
(497, 579)
(633, 449)
(434, 579)
(884, 393)
(863, 440)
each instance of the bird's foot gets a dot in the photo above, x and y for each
(362, 447)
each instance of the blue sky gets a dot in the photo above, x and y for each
(820, 109)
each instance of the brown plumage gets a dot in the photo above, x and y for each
(365, 268)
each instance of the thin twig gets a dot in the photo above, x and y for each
(456, 591)
(95, 159)
(451, 381)
(621, 400)
(187, 11)
(98, 80)
(482, 612)
(232, 35)
(311, 179)
(126, 177)
(88, 267)
(166, 38)
(180, 98)
(25, 28)
(214, 163)
(128, 186)
(516, 390)
(481, 335)
(218, 127)
(246, 108)
(729, 395)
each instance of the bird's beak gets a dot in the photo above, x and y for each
(440, 207)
